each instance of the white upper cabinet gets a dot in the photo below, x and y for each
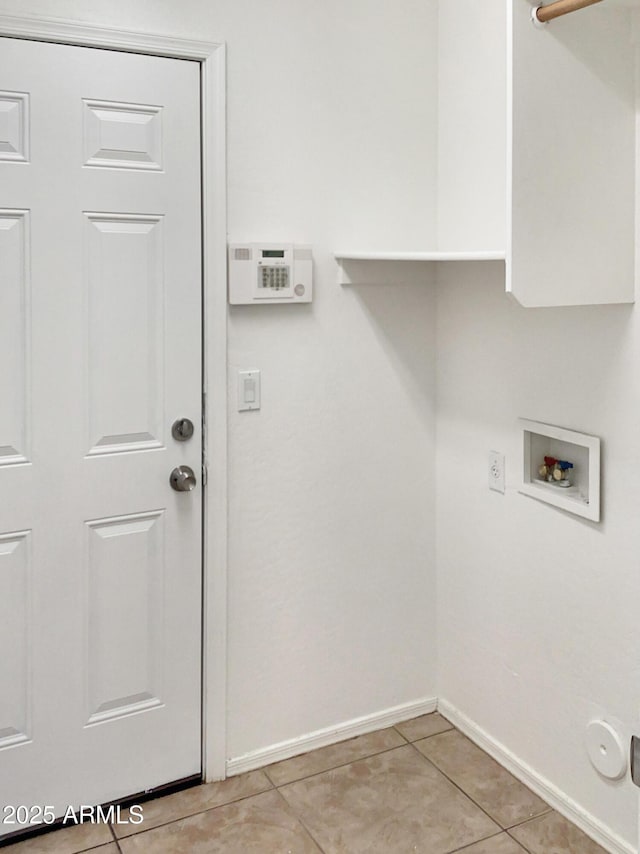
(537, 146)
(536, 142)
(571, 118)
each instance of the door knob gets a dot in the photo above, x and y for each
(182, 479)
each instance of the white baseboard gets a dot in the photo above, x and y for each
(599, 832)
(330, 735)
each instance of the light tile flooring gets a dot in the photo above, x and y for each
(420, 786)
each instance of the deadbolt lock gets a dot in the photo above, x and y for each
(182, 429)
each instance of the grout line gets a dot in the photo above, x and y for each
(433, 764)
(460, 789)
(219, 806)
(401, 735)
(272, 786)
(424, 737)
(531, 818)
(340, 765)
(238, 800)
(94, 847)
(500, 831)
(477, 842)
(471, 798)
(389, 750)
(265, 768)
(115, 838)
(521, 844)
(268, 776)
(300, 821)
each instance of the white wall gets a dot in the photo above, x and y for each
(331, 576)
(331, 141)
(472, 131)
(538, 627)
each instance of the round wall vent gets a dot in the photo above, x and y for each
(605, 750)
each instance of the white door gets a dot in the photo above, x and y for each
(100, 352)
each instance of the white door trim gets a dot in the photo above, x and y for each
(211, 57)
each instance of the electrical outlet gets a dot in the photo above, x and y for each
(496, 471)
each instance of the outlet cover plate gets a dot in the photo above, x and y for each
(496, 471)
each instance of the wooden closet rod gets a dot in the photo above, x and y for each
(561, 7)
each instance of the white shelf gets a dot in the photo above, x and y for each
(371, 268)
(473, 255)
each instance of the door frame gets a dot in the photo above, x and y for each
(211, 56)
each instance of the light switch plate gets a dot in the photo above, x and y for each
(248, 390)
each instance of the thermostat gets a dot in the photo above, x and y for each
(270, 273)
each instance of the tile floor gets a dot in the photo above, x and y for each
(420, 786)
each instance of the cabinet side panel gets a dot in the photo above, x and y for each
(573, 158)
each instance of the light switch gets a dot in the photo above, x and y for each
(248, 390)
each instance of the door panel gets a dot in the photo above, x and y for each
(15, 580)
(122, 136)
(14, 126)
(125, 554)
(14, 331)
(124, 359)
(100, 352)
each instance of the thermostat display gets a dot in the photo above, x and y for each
(269, 273)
